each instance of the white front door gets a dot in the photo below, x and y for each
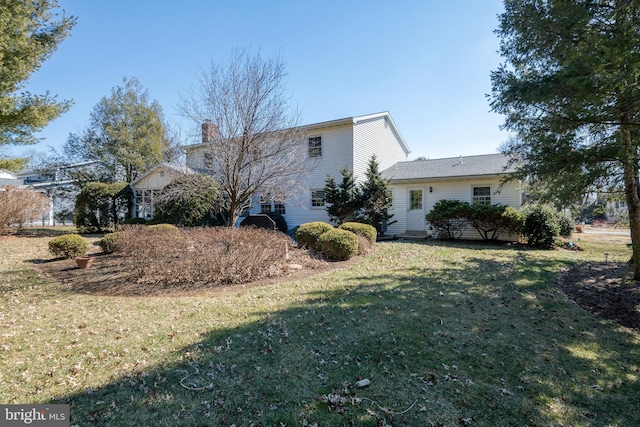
(415, 211)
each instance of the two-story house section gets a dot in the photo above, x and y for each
(333, 145)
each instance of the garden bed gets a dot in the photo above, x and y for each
(109, 275)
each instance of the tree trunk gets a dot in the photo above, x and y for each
(631, 187)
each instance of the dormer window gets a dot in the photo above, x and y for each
(315, 146)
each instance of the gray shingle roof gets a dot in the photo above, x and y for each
(488, 164)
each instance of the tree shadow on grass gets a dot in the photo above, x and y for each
(485, 341)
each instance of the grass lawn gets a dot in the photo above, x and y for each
(447, 334)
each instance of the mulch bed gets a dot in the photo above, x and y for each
(108, 276)
(605, 289)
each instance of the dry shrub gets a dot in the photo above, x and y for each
(202, 256)
(579, 228)
(364, 245)
(21, 205)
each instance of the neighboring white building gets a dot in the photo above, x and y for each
(147, 187)
(9, 178)
(351, 142)
(56, 182)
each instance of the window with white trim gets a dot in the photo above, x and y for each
(317, 198)
(315, 146)
(268, 206)
(145, 203)
(481, 196)
(279, 208)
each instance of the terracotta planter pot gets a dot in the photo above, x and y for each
(84, 262)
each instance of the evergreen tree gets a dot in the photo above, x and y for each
(343, 200)
(13, 164)
(376, 197)
(126, 133)
(189, 200)
(570, 89)
(29, 34)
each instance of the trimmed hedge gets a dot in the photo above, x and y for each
(68, 246)
(338, 244)
(109, 243)
(309, 233)
(365, 230)
(164, 227)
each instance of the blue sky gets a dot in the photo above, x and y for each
(427, 62)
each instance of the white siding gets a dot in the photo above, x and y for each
(461, 189)
(337, 153)
(155, 181)
(375, 136)
(195, 157)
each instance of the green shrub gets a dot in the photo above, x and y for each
(449, 217)
(338, 244)
(68, 246)
(540, 226)
(189, 201)
(109, 243)
(365, 230)
(281, 223)
(164, 227)
(515, 219)
(100, 205)
(565, 224)
(309, 233)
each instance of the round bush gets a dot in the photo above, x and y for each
(309, 233)
(540, 226)
(365, 230)
(68, 246)
(109, 243)
(163, 227)
(338, 244)
(565, 225)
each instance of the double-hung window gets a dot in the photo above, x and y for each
(315, 146)
(481, 195)
(317, 198)
(267, 206)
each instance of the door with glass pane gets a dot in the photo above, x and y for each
(415, 211)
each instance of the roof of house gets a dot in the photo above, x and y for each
(453, 167)
(171, 167)
(346, 121)
(357, 119)
(6, 174)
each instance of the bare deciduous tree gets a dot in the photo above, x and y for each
(21, 205)
(252, 144)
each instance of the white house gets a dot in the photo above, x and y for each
(351, 142)
(147, 186)
(333, 145)
(417, 185)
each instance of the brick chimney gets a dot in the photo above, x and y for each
(209, 132)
